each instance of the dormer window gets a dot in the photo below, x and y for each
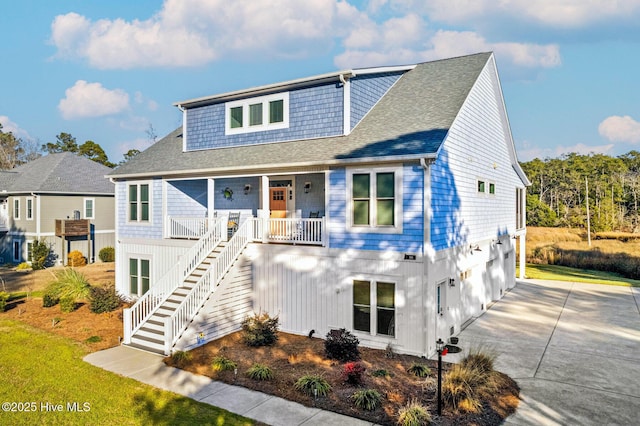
(257, 114)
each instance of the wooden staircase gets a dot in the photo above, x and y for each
(151, 336)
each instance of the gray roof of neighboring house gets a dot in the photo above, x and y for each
(63, 173)
(410, 121)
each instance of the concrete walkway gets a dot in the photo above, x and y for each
(149, 368)
(573, 348)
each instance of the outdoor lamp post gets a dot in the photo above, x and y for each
(442, 350)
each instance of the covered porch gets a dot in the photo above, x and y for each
(287, 209)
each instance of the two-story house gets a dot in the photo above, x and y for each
(62, 199)
(388, 201)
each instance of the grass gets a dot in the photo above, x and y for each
(43, 368)
(564, 273)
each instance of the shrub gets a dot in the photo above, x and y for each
(49, 300)
(69, 282)
(341, 345)
(4, 297)
(107, 254)
(67, 304)
(23, 266)
(103, 299)
(352, 373)
(180, 358)
(367, 399)
(414, 414)
(222, 363)
(479, 359)
(40, 255)
(75, 258)
(463, 386)
(260, 329)
(94, 339)
(260, 372)
(419, 370)
(381, 373)
(313, 385)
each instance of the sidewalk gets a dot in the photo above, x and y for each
(148, 368)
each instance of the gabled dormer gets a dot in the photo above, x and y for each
(327, 105)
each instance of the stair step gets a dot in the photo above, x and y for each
(151, 334)
(148, 341)
(146, 348)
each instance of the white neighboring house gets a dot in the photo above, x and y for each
(388, 201)
(62, 199)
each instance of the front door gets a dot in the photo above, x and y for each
(278, 200)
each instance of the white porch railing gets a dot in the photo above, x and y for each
(187, 227)
(290, 230)
(146, 305)
(178, 322)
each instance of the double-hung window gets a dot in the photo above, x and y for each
(89, 206)
(29, 211)
(139, 276)
(16, 208)
(374, 307)
(139, 202)
(375, 200)
(257, 114)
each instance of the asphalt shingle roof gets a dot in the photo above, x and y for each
(411, 120)
(65, 173)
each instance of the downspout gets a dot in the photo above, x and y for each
(426, 197)
(37, 207)
(346, 100)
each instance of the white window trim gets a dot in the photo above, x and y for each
(398, 197)
(16, 208)
(28, 216)
(373, 319)
(485, 183)
(138, 258)
(13, 250)
(93, 207)
(139, 221)
(264, 100)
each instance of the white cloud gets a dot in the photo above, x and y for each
(92, 100)
(444, 44)
(529, 153)
(551, 13)
(9, 126)
(196, 32)
(620, 129)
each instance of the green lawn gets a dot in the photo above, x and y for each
(563, 273)
(37, 368)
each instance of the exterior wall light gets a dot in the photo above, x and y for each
(247, 189)
(307, 187)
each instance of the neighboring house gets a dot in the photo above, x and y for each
(388, 201)
(62, 199)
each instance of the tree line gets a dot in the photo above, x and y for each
(561, 188)
(15, 151)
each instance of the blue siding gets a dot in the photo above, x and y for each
(314, 112)
(314, 199)
(446, 226)
(412, 237)
(187, 198)
(153, 229)
(367, 90)
(239, 201)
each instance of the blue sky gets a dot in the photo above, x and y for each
(110, 71)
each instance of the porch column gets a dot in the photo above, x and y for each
(264, 207)
(211, 189)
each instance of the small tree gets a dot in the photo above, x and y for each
(40, 254)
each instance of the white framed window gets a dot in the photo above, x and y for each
(29, 251)
(441, 294)
(481, 186)
(29, 208)
(492, 188)
(139, 202)
(17, 250)
(89, 208)
(139, 276)
(374, 200)
(257, 114)
(16, 208)
(374, 307)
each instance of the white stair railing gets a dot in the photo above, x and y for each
(178, 322)
(145, 306)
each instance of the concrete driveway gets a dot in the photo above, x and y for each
(573, 348)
